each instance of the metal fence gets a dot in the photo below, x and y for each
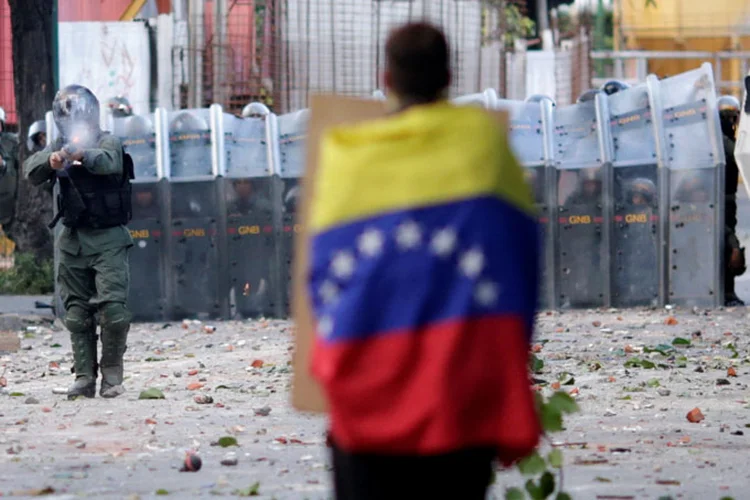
(278, 52)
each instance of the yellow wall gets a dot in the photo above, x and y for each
(684, 25)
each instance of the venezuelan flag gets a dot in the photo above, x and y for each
(423, 279)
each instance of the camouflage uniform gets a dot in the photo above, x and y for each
(8, 173)
(93, 275)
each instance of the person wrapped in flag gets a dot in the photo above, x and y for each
(423, 278)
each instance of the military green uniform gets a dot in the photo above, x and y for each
(8, 177)
(93, 273)
(731, 242)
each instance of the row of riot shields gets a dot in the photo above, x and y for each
(628, 189)
(214, 204)
(630, 193)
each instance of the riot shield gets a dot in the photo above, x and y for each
(148, 298)
(253, 270)
(57, 304)
(292, 129)
(693, 186)
(530, 136)
(635, 223)
(196, 205)
(581, 257)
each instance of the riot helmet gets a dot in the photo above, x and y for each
(693, 189)
(587, 96)
(642, 192)
(539, 98)
(120, 106)
(729, 114)
(36, 139)
(138, 126)
(291, 199)
(76, 111)
(255, 110)
(186, 122)
(614, 86)
(591, 182)
(2, 119)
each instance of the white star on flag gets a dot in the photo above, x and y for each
(342, 264)
(486, 293)
(471, 263)
(371, 242)
(325, 326)
(443, 242)
(329, 292)
(408, 235)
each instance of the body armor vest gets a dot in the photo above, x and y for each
(94, 201)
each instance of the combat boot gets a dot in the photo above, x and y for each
(84, 362)
(115, 325)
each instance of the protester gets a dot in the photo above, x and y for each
(425, 257)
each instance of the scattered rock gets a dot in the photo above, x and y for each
(664, 392)
(695, 415)
(31, 401)
(203, 399)
(230, 460)
(263, 412)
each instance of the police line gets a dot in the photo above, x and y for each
(626, 185)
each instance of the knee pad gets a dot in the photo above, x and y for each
(115, 318)
(79, 321)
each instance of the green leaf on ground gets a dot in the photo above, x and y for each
(536, 364)
(555, 458)
(563, 496)
(16, 394)
(680, 341)
(534, 490)
(250, 491)
(532, 465)
(162, 491)
(654, 382)
(600, 479)
(151, 393)
(227, 441)
(151, 359)
(55, 345)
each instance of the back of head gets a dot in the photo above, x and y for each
(76, 111)
(417, 63)
(120, 106)
(137, 126)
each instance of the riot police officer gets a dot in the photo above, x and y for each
(120, 106)
(729, 113)
(140, 144)
(94, 204)
(190, 151)
(641, 194)
(8, 173)
(614, 86)
(247, 201)
(36, 139)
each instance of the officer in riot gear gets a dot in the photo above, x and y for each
(614, 86)
(120, 107)
(729, 114)
(246, 200)
(641, 194)
(94, 204)
(291, 199)
(587, 96)
(140, 143)
(146, 206)
(692, 189)
(190, 145)
(8, 173)
(37, 137)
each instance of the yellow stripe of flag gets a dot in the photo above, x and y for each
(425, 156)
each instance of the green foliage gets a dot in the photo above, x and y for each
(542, 472)
(28, 277)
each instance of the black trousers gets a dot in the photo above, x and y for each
(463, 475)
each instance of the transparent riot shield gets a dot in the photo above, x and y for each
(292, 130)
(530, 136)
(581, 256)
(141, 138)
(691, 152)
(196, 205)
(487, 99)
(252, 261)
(635, 223)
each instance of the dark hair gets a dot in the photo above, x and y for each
(417, 59)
